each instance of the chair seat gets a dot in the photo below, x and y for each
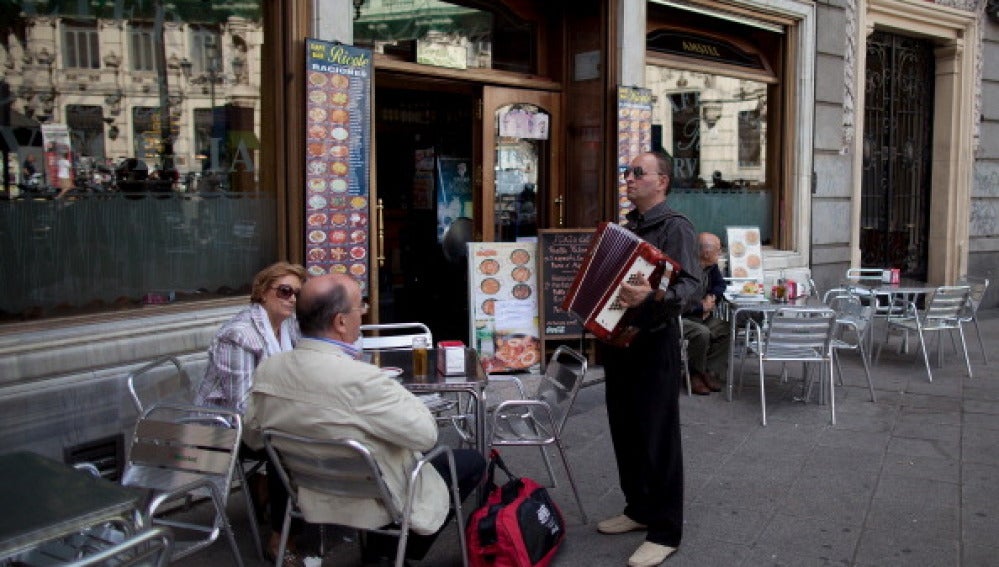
(436, 403)
(514, 428)
(928, 325)
(163, 480)
(782, 352)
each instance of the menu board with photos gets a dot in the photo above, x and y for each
(745, 252)
(634, 136)
(338, 140)
(504, 293)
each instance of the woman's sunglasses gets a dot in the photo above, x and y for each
(285, 291)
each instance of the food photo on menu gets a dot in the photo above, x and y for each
(503, 290)
(745, 252)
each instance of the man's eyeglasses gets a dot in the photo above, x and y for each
(285, 291)
(363, 308)
(637, 172)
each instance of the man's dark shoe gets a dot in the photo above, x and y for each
(712, 382)
(697, 385)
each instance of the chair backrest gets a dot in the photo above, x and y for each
(946, 303)
(150, 383)
(341, 467)
(857, 315)
(184, 439)
(561, 382)
(864, 274)
(800, 328)
(148, 548)
(978, 287)
(838, 296)
(387, 336)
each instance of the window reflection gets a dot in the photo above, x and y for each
(447, 34)
(715, 128)
(157, 106)
(521, 131)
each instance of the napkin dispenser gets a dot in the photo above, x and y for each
(450, 358)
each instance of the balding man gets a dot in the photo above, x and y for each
(643, 380)
(707, 336)
(321, 389)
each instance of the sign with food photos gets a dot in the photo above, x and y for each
(338, 141)
(503, 282)
(634, 137)
(745, 252)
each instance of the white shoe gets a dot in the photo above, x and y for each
(618, 525)
(650, 554)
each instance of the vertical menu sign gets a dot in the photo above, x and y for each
(504, 314)
(338, 140)
(634, 136)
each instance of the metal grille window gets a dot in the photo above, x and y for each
(81, 49)
(141, 49)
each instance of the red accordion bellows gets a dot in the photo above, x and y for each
(615, 255)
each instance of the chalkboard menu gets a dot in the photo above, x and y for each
(560, 253)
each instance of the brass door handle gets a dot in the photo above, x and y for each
(561, 213)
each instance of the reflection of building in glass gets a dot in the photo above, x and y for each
(138, 80)
(714, 127)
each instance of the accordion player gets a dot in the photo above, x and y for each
(614, 255)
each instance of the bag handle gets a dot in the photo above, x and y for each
(495, 460)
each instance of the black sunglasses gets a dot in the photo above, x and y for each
(637, 171)
(285, 291)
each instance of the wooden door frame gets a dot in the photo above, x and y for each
(492, 99)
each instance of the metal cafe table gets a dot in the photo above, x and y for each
(44, 500)
(471, 381)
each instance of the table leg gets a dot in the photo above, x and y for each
(733, 339)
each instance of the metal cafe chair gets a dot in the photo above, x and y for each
(684, 355)
(795, 334)
(978, 288)
(539, 421)
(393, 336)
(148, 548)
(942, 313)
(345, 468)
(150, 384)
(856, 318)
(178, 451)
(147, 386)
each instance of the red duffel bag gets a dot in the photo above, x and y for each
(519, 525)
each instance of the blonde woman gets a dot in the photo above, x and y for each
(268, 326)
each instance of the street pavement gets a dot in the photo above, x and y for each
(908, 480)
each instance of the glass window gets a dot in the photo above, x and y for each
(448, 34)
(164, 201)
(715, 128)
(204, 50)
(81, 48)
(521, 140)
(141, 49)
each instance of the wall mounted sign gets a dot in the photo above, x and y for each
(337, 141)
(634, 136)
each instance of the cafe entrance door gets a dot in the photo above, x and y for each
(449, 170)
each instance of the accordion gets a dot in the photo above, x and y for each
(615, 255)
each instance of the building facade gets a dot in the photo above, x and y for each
(857, 132)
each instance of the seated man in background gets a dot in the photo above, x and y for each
(707, 335)
(320, 389)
